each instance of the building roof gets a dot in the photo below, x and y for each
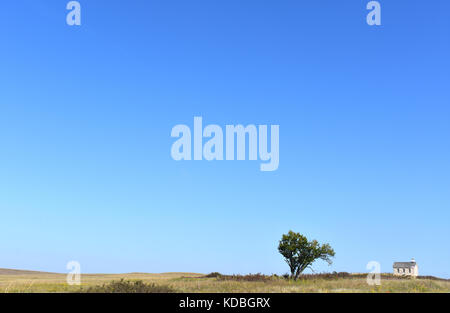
(404, 264)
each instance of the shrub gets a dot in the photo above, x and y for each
(214, 275)
(249, 277)
(125, 286)
(329, 276)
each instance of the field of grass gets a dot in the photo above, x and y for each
(31, 282)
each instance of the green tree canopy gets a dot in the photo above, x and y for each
(300, 254)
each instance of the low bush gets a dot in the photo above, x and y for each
(126, 286)
(213, 275)
(249, 277)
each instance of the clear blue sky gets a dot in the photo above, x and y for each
(86, 114)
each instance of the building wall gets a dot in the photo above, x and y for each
(416, 270)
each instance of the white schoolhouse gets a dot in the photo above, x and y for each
(406, 268)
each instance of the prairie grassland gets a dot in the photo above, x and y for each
(32, 282)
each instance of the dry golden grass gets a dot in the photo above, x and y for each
(30, 282)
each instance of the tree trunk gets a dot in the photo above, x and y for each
(292, 272)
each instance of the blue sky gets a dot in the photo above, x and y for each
(86, 114)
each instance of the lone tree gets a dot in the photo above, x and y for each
(299, 253)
